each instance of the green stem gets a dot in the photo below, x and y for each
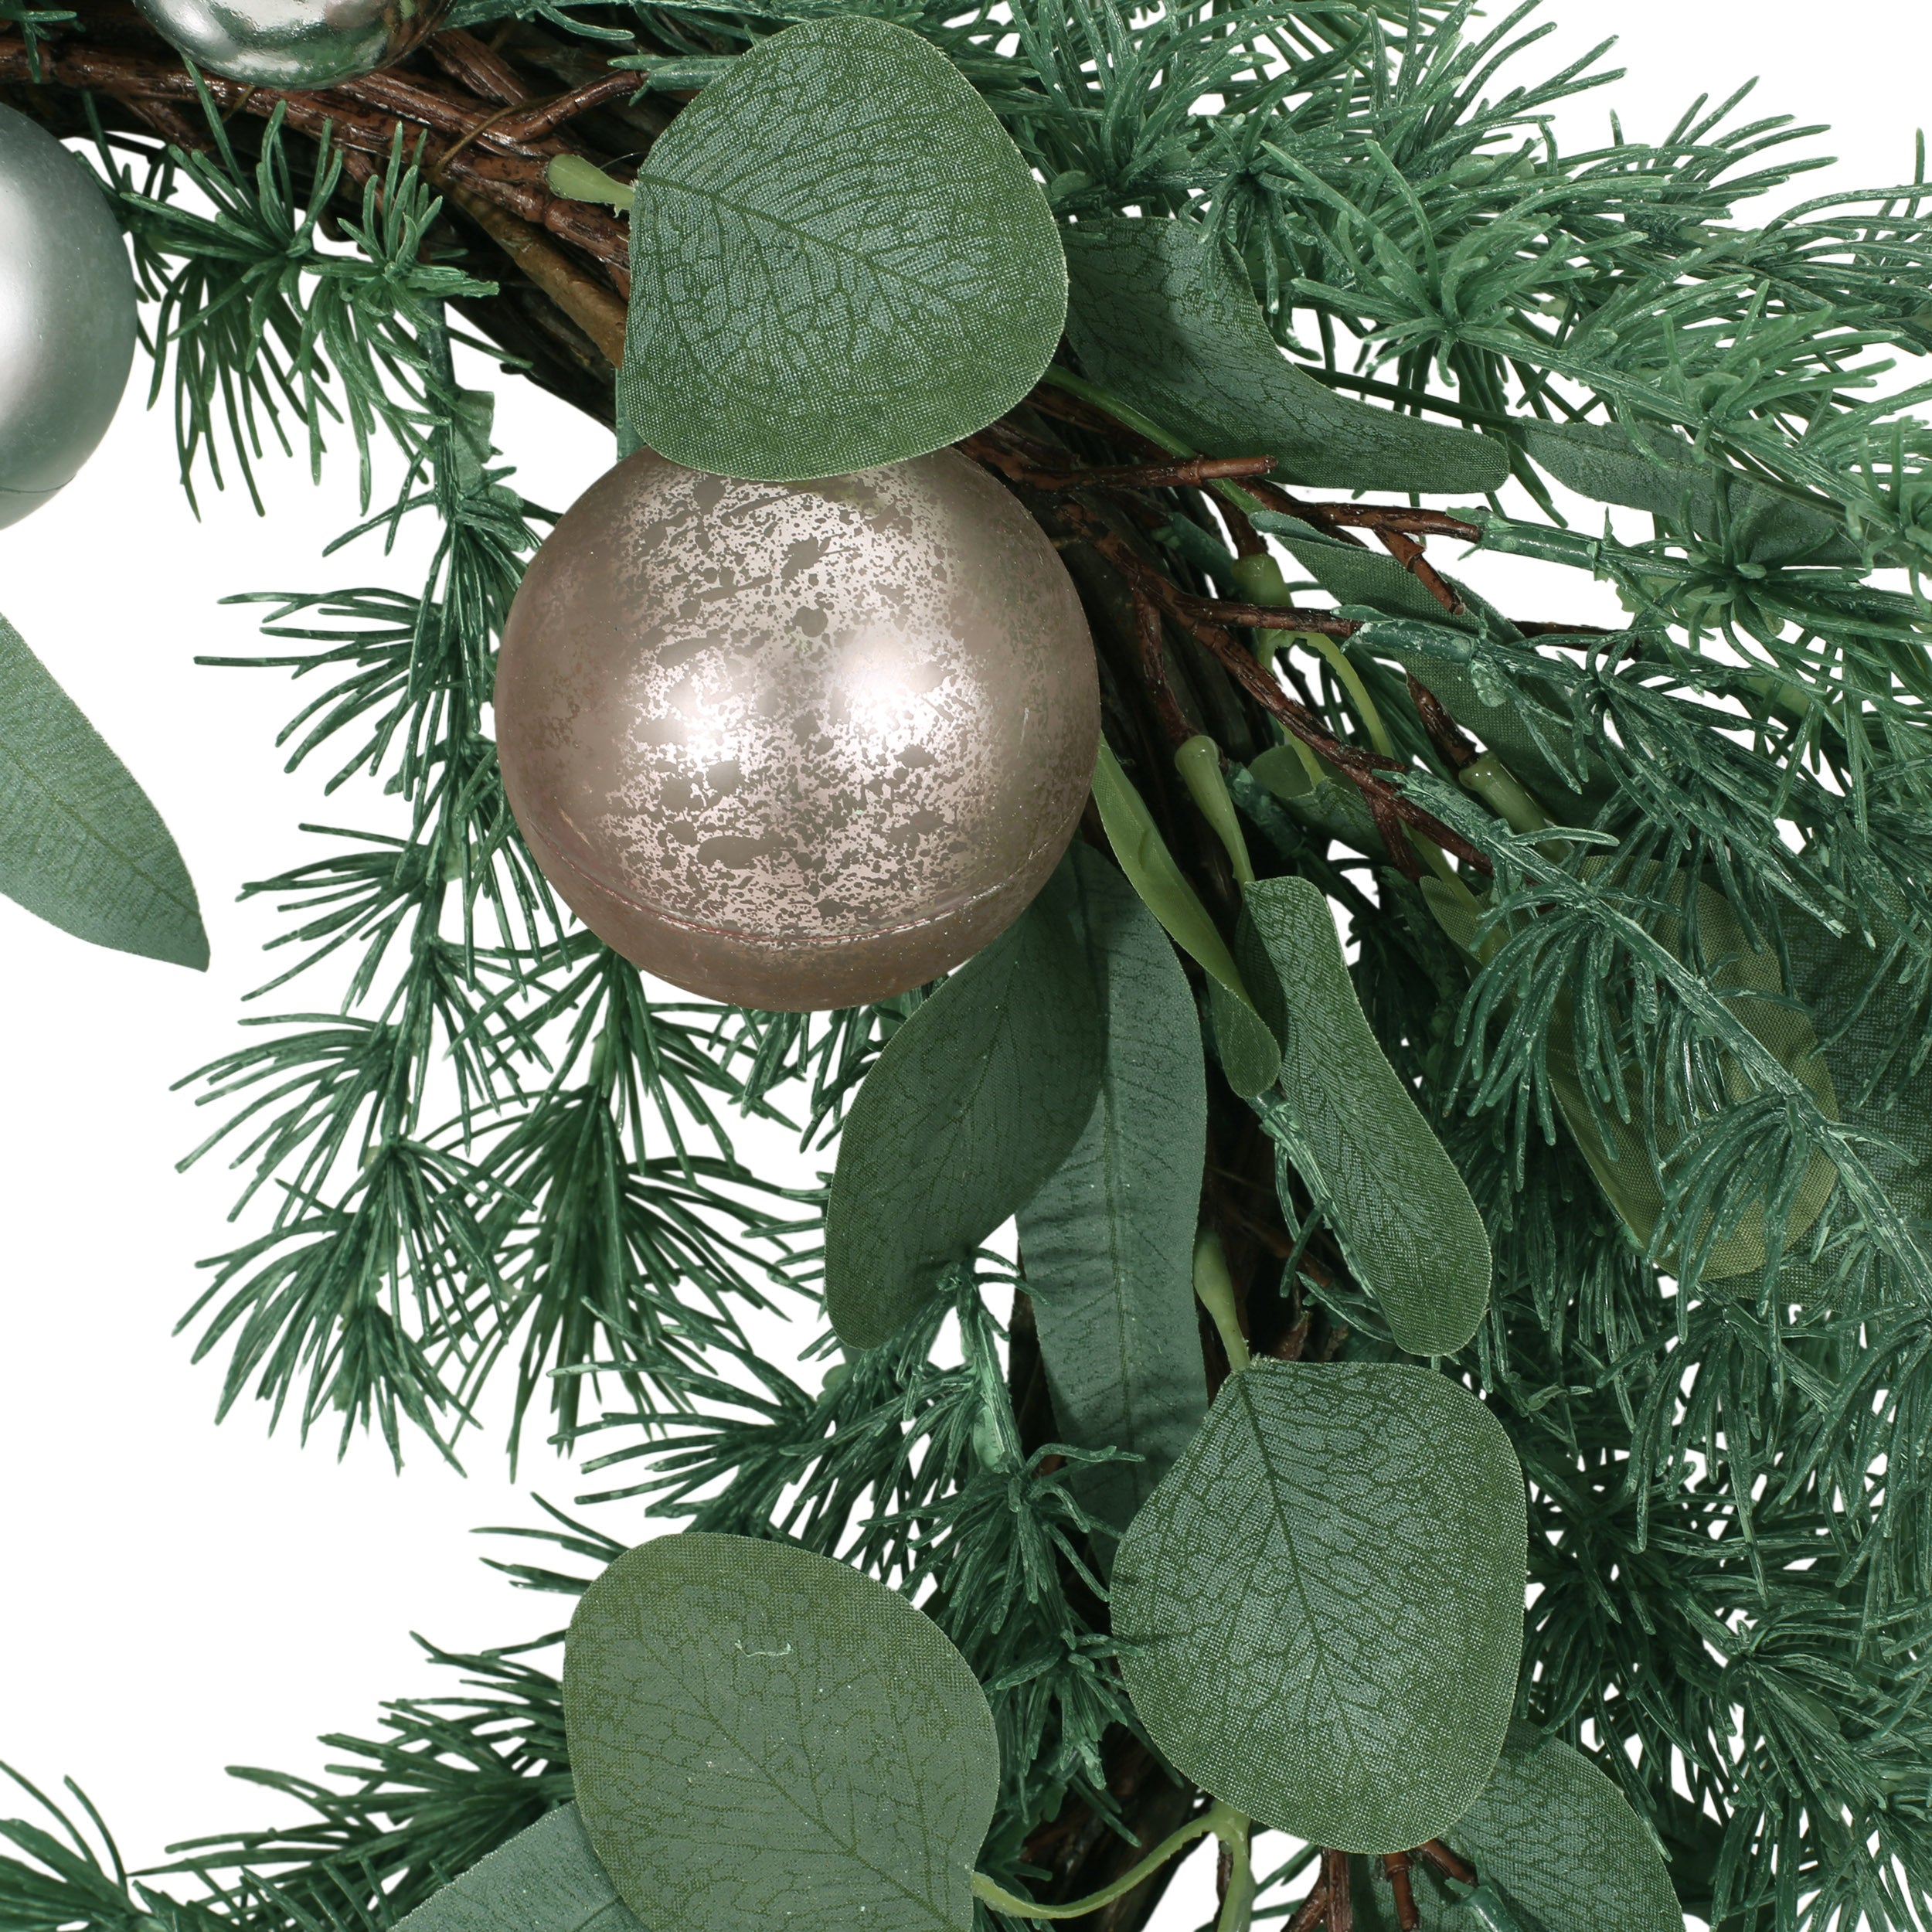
(1214, 1288)
(1222, 1820)
(1237, 1906)
(573, 179)
(1199, 762)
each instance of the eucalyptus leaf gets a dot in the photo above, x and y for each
(1352, 573)
(1663, 474)
(760, 1736)
(81, 845)
(1162, 315)
(1559, 1842)
(838, 259)
(1555, 1842)
(1322, 1602)
(974, 1101)
(1107, 1242)
(1333, 807)
(1251, 1054)
(545, 1880)
(1415, 1238)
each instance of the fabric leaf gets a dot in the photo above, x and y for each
(1251, 1054)
(1162, 315)
(1352, 573)
(81, 844)
(1414, 1237)
(838, 259)
(1605, 461)
(1553, 1839)
(975, 1101)
(761, 1736)
(545, 1880)
(1107, 1242)
(1322, 1603)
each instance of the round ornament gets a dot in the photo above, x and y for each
(293, 44)
(66, 315)
(798, 746)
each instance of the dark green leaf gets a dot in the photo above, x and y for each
(1554, 1842)
(762, 1736)
(978, 1098)
(1324, 1601)
(545, 1880)
(1165, 319)
(1108, 1242)
(1559, 1842)
(1606, 461)
(81, 845)
(1251, 1054)
(1352, 573)
(838, 259)
(1413, 1236)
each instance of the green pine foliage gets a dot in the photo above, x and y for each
(1667, 1004)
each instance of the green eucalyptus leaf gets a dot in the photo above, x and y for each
(762, 1737)
(1163, 316)
(545, 1880)
(1556, 1845)
(1352, 573)
(1107, 1242)
(974, 1101)
(1322, 1603)
(1248, 1048)
(838, 259)
(1251, 1054)
(1333, 807)
(1414, 1238)
(1663, 474)
(1559, 1842)
(81, 844)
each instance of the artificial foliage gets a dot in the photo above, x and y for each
(1573, 1217)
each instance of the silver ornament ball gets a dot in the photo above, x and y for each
(798, 746)
(66, 315)
(293, 44)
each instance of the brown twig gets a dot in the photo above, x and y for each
(1147, 615)
(1335, 1877)
(586, 300)
(514, 183)
(1446, 1861)
(1395, 1865)
(1458, 748)
(1004, 448)
(1205, 620)
(1313, 1909)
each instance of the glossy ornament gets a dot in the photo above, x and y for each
(797, 744)
(66, 315)
(295, 45)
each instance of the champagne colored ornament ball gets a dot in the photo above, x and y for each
(798, 746)
(66, 315)
(293, 44)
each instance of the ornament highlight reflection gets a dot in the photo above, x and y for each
(798, 746)
(295, 45)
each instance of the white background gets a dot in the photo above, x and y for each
(176, 1598)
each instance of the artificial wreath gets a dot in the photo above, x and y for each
(1456, 1073)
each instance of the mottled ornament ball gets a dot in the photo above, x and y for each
(798, 746)
(66, 315)
(293, 44)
